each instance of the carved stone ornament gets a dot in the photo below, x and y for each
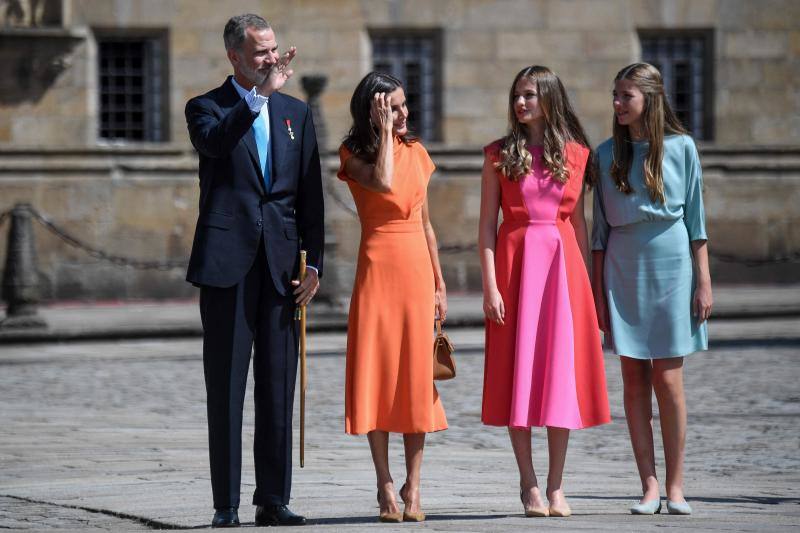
(31, 13)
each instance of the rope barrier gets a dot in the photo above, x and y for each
(725, 258)
(752, 262)
(140, 264)
(117, 260)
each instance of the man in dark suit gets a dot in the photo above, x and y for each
(260, 201)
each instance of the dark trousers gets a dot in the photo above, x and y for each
(249, 316)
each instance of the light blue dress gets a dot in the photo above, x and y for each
(648, 270)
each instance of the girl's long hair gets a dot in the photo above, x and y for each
(658, 120)
(363, 138)
(561, 126)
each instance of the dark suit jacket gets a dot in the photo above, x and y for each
(235, 209)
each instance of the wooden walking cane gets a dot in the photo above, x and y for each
(300, 314)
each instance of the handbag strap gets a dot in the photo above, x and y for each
(438, 327)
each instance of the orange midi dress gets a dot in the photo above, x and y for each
(389, 373)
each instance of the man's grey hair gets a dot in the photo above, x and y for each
(236, 28)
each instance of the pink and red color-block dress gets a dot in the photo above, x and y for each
(544, 366)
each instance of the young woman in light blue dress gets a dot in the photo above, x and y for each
(650, 269)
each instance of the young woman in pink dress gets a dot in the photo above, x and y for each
(544, 361)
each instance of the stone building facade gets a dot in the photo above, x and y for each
(108, 158)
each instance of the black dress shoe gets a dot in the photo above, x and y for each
(277, 515)
(226, 517)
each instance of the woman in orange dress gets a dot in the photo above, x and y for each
(398, 288)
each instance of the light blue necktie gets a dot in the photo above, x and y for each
(262, 142)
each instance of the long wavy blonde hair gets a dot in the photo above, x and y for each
(658, 120)
(561, 126)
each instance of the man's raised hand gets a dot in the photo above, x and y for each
(278, 74)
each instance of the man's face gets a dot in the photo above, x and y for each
(258, 53)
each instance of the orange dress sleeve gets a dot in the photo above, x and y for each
(428, 166)
(344, 155)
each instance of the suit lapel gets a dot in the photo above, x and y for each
(249, 140)
(278, 133)
(231, 98)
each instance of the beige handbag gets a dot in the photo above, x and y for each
(444, 366)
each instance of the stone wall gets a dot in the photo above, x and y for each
(140, 200)
(139, 204)
(143, 204)
(757, 65)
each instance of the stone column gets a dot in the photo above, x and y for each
(313, 86)
(330, 291)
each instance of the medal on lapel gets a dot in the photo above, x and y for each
(289, 128)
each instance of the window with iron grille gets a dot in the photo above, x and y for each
(414, 57)
(132, 75)
(685, 59)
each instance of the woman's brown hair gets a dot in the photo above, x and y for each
(561, 126)
(658, 120)
(363, 139)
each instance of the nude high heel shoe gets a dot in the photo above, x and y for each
(533, 512)
(388, 517)
(560, 512)
(408, 516)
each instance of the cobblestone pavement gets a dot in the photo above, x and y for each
(112, 436)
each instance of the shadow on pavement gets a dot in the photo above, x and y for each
(757, 500)
(343, 520)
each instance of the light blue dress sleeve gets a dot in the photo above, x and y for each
(600, 225)
(693, 210)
